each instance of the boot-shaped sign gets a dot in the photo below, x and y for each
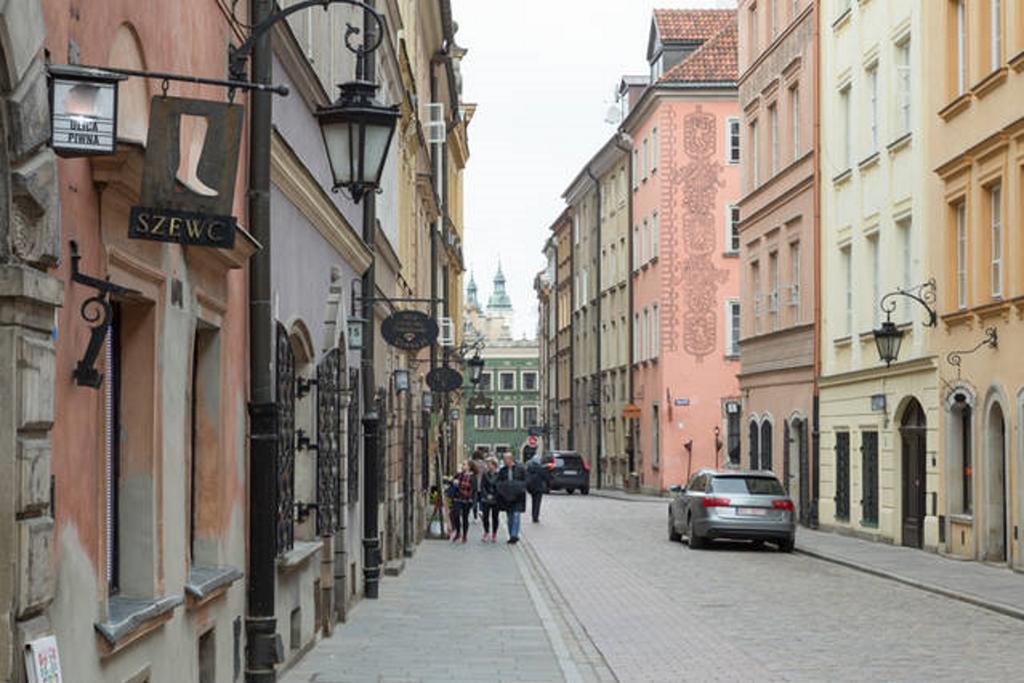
(188, 184)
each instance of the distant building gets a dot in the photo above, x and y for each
(510, 378)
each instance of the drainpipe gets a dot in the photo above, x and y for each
(598, 388)
(815, 427)
(264, 649)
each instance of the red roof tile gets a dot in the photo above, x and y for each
(715, 61)
(691, 24)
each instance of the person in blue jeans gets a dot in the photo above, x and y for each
(511, 487)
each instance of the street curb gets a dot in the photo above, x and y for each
(999, 608)
(630, 497)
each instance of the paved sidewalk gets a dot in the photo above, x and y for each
(473, 612)
(995, 588)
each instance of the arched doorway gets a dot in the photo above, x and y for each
(912, 437)
(995, 548)
(797, 461)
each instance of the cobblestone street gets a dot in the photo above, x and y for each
(598, 591)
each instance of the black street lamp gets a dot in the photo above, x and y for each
(888, 337)
(357, 133)
(476, 368)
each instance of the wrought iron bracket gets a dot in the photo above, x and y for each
(923, 294)
(302, 510)
(97, 312)
(303, 386)
(955, 358)
(237, 56)
(303, 442)
(165, 77)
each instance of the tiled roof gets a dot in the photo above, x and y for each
(691, 24)
(715, 61)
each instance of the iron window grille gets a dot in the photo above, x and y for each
(354, 423)
(328, 470)
(842, 496)
(285, 462)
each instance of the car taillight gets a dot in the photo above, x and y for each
(550, 466)
(586, 465)
(713, 502)
(783, 505)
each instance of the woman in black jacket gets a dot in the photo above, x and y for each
(511, 483)
(463, 499)
(489, 499)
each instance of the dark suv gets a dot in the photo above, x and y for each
(569, 472)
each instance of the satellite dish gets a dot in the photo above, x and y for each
(613, 115)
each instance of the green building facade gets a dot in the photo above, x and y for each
(511, 380)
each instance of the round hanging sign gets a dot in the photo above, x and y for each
(409, 330)
(444, 378)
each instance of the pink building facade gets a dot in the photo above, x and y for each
(685, 277)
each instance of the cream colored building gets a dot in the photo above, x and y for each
(599, 200)
(879, 471)
(975, 158)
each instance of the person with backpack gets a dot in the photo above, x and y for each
(464, 490)
(488, 494)
(511, 486)
(538, 476)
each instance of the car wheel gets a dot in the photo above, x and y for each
(786, 545)
(693, 539)
(673, 535)
(570, 491)
(585, 490)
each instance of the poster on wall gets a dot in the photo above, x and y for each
(42, 662)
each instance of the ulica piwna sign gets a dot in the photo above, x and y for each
(188, 182)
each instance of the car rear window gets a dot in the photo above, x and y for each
(757, 486)
(568, 461)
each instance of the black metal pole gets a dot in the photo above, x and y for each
(371, 420)
(407, 461)
(263, 650)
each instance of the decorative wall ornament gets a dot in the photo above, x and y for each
(691, 270)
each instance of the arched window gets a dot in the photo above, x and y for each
(754, 449)
(766, 445)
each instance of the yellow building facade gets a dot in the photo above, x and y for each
(975, 155)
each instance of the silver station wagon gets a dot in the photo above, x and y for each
(732, 504)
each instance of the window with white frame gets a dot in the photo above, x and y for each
(903, 227)
(529, 417)
(960, 212)
(755, 288)
(645, 160)
(636, 337)
(485, 422)
(773, 289)
(903, 85)
(755, 160)
(506, 381)
(655, 342)
(529, 380)
(845, 259)
(995, 198)
(585, 286)
(732, 327)
(794, 120)
(636, 169)
(485, 381)
(507, 417)
(654, 235)
(732, 229)
(961, 47)
(872, 79)
(732, 140)
(637, 247)
(646, 335)
(773, 139)
(794, 279)
(654, 150)
(876, 278)
(846, 141)
(996, 27)
(646, 237)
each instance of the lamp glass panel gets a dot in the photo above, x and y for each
(338, 139)
(377, 138)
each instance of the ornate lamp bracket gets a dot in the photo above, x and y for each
(955, 358)
(97, 312)
(923, 294)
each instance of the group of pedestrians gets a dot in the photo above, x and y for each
(485, 489)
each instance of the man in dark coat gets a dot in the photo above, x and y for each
(537, 474)
(511, 486)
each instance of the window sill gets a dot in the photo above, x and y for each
(868, 525)
(730, 254)
(1017, 61)
(957, 105)
(869, 161)
(900, 143)
(841, 177)
(843, 341)
(207, 583)
(129, 619)
(842, 19)
(298, 555)
(962, 518)
(732, 356)
(990, 82)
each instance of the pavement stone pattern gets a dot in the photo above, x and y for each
(659, 611)
(457, 613)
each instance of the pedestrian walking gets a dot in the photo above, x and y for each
(512, 494)
(538, 475)
(464, 495)
(488, 496)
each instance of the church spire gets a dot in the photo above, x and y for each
(499, 297)
(471, 292)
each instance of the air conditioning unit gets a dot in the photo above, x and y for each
(435, 123)
(446, 334)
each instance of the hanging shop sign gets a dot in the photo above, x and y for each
(444, 378)
(188, 183)
(478, 404)
(83, 111)
(410, 331)
(631, 411)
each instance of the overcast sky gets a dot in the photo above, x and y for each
(543, 73)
